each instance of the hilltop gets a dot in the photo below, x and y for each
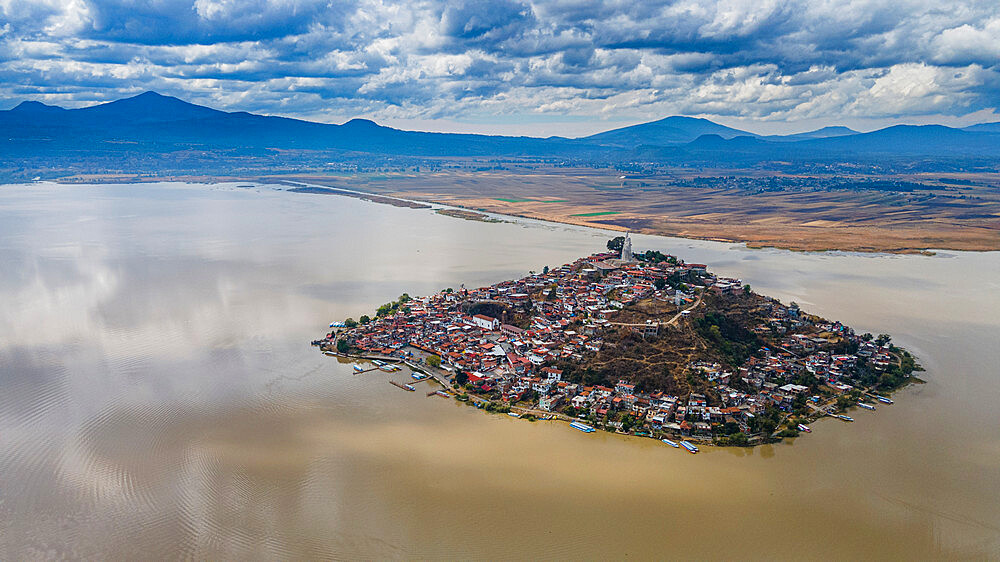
(650, 345)
(155, 134)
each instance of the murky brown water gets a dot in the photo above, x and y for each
(158, 398)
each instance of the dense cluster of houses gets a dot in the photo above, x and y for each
(562, 315)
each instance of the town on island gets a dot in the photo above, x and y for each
(641, 344)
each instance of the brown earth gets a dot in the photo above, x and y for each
(942, 216)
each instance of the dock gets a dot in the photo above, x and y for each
(402, 386)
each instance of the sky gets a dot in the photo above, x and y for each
(560, 67)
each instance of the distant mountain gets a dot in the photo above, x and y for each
(155, 121)
(672, 130)
(984, 128)
(911, 139)
(149, 129)
(35, 107)
(148, 107)
(825, 132)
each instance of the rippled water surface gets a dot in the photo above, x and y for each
(159, 398)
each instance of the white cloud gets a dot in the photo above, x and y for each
(575, 60)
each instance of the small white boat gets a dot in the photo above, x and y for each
(866, 406)
(691, 448)
(671, 443)
(803, 427)
(358, 368)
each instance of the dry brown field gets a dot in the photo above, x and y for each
(942, 216)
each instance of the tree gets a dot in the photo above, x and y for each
(461, 378)
(616, 244)
(434, 361)
(343, 346)
(365, 319)
(350, 323)
(545, 270)
(659, 283)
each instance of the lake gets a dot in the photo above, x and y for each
(160, 398)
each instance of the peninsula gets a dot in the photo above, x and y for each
(642, 344)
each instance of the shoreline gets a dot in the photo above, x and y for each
(574, 330)
(409, 201)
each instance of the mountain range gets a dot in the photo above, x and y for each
(149, 124)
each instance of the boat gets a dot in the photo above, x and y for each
(845, 418)
(514, 414)
(883, 400)
(803, 427)
(419, 376)
(671, 443)
(379, 363)
(691, 448)
(409, 387)
(443, 393)
(358, 368)
(866, 406)
(582, 427)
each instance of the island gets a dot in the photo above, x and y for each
(642, 344)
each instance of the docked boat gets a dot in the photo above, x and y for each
(409, 387)
(690, 448)
(379, 363)
(866, 406)
(671, 443)
(514, 414)
(845, 418)
(582, 427)
(443, 393)
(803, 427)
(358, 368)
(883, 400)
(419, 376)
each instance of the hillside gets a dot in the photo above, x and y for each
(161, 135)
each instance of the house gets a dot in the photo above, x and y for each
(552, 374)
(624, 387)
(549, 402)
(486, 322)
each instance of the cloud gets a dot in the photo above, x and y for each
(503, 60)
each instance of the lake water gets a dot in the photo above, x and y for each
(159, 398)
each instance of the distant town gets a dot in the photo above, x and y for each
(642, 344)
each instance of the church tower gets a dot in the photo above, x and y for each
(627, 249)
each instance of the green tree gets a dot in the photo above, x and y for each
(434, 361)
(365, 319)
(616, 243)
(461, 378)
(343, 346)
(545, 270)
(350, 323)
